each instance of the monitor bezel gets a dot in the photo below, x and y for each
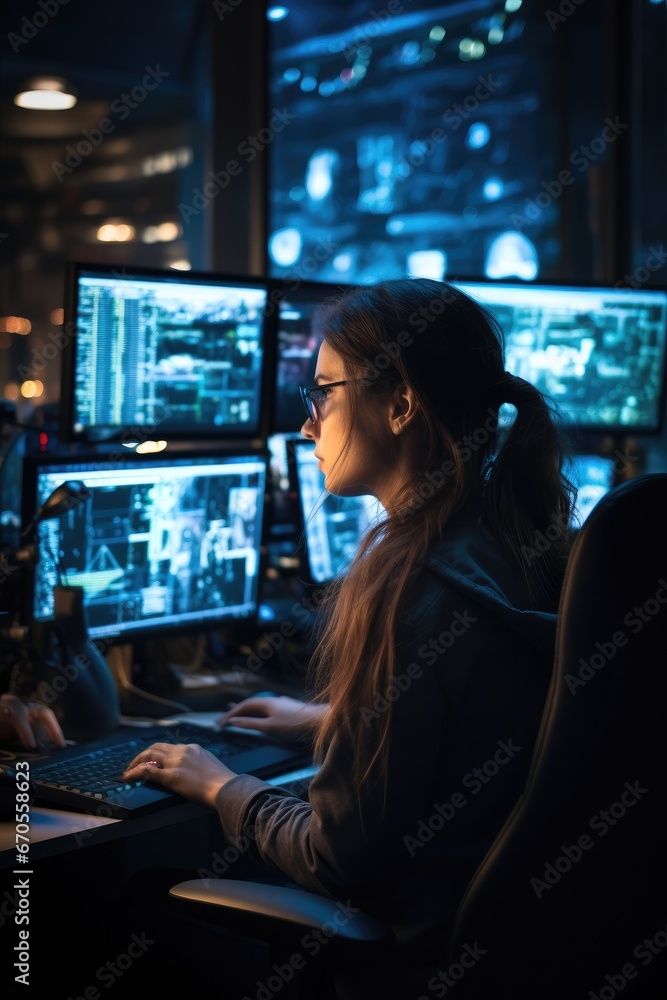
(35, 462)
(293, 445)
(281, 290)
(586, 454)
(588, 431)
(93, 435)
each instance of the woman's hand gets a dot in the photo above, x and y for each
(186, 769)
(275, 716)
(30, 721)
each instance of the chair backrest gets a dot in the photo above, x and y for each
(579, 866)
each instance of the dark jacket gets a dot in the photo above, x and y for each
(473, 666)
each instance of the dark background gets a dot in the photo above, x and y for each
(556, 79)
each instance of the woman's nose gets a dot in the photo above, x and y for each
(308, 428)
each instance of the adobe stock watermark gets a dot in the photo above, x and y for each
(311, 943)
(459, 113)
(623, 460)
(372, 27)
(221, 863)
(430, 652)
(422, 149)
(322, 252)
(419, 320)
(566, 9)
(223, 7)
(40, 357)
(654, 262)
(581, 158)
(644, 952)
(474, 780)
(31, 26)
(57, 342)
(248, 150)
(114, 969)
(555, 531)
(467, 446)
(439, 984)
(121, 107)
(635, 620)
(272, 642)
(601, 823)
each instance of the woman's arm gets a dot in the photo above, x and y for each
(276, 716)
(29, 720)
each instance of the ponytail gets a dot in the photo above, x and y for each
(527, 499)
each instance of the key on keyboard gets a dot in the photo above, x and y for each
(93, 782)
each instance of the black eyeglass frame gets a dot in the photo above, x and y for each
(311, 404)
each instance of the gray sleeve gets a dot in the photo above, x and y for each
(335, 844)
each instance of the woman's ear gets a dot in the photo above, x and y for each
(403, 409)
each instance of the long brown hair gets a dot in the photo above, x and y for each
(434, 339)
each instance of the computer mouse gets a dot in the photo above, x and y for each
(12, 782)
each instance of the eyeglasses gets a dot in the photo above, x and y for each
(315, 396)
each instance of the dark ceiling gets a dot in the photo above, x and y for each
(103, 51)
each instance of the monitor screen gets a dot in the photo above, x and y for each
(594, 476)
(297, 344)
(332, 526)
(599, 353)
(179, 354)
(414, 139)
(165, 543)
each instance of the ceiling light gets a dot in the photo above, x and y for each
(110, 233)
(46, 93)
(15, 324)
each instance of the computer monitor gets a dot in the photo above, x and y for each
(157, 352)
(593, 476)
(167, 543)
(298, 342)
(332, 526)
(599, 353)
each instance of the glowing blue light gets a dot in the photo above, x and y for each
(512, 255)
(427, 264)
(291, 75)
(308, 83)
(394, 226)
(277, 13)
(478, 135)
(319, 173)
(285, 247)
(493, 188)
(342, 262)
(409, 54)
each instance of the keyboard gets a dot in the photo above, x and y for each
(89, 778)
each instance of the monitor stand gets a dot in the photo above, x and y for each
(152, 684)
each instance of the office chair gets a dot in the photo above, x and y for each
(569, 889)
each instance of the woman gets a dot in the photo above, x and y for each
(435, 655)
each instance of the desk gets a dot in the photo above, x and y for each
(81, 871)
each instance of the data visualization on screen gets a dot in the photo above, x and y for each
(599, 353)
(593, 476)
(333, 526)
(158, 544)
(298, 342)
(174, 352)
